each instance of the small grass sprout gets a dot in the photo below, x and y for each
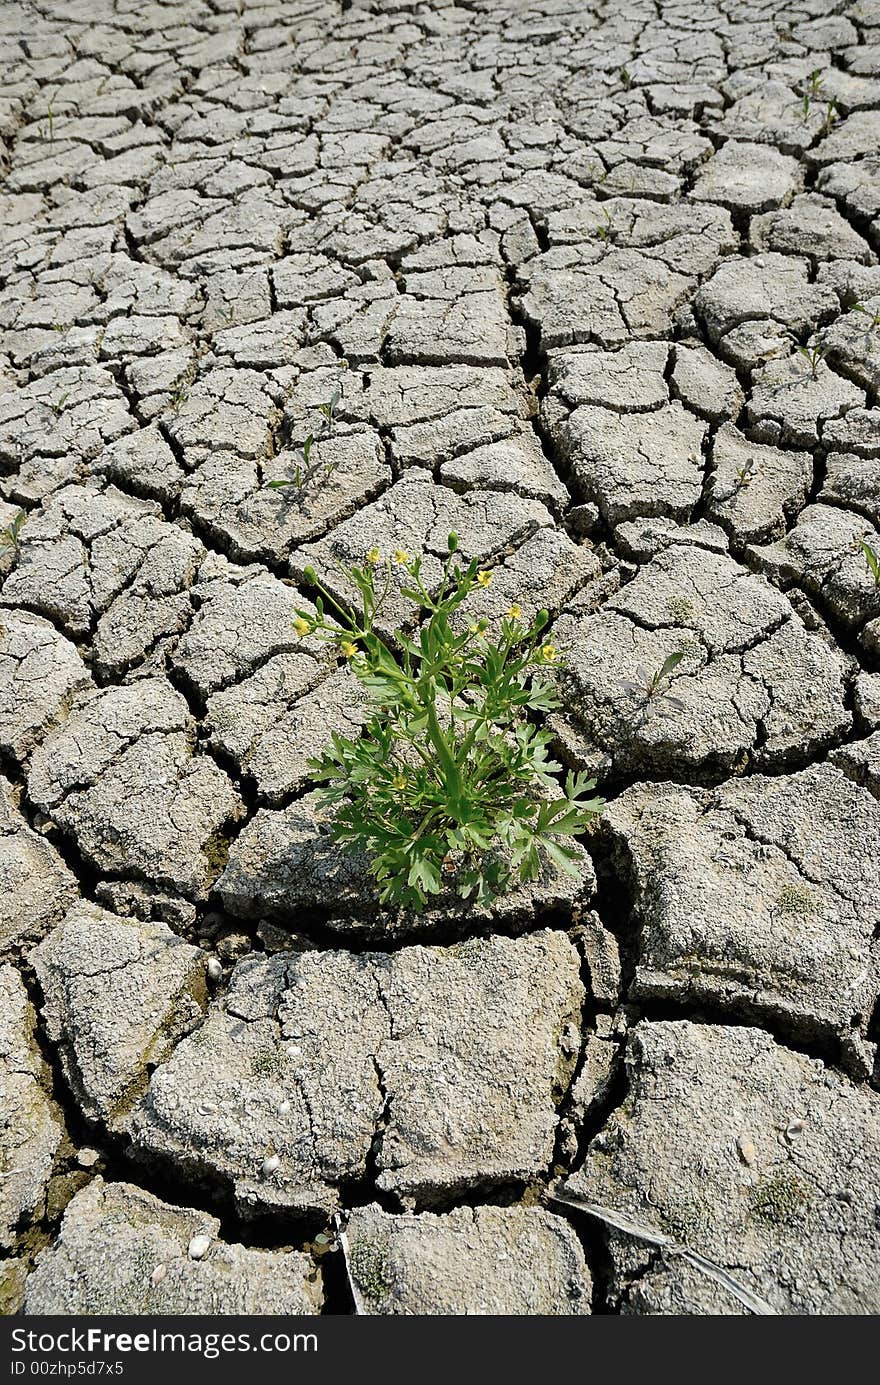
(652, 686)
(9, 537)
(872, 558)
(814, 356)
(450, 787)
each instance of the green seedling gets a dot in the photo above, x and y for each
(812, 90)
(450, 786)
(9, 537)
(831, 117)
(328, 408)
(302, 471)
(651, 686)
(872, 559)
(745, 475)
(814, 356)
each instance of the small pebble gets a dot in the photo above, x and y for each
(214, 969)
(87, 1158)
(746, 1150)
(199, 1247)
(271, 1164)
(284, 1108)
(793, 1130)
(158, 1275)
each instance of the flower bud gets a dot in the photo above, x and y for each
(541, 619)
(310, 576)
(452, 541)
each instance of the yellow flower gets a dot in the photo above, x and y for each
(548, 653)
(514, 612)
(373, 556)
(401, 556)
(399, 782)
(301, 626)
(348, 649)
(484, 577)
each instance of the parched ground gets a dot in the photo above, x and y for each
(596, 285)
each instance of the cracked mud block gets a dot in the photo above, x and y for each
(543, 574)
(417, 516)
(122, 778)
(690, 239)
(143, 463)
(856, 431)
(792, 400)
(605, 297)
(636, 464)
(121, 1250)
(276, 721)
(860, 761)
(285, 864)
(96, 559)
(852, 344)
(854, 483)
(485, 1260)
(118, 995)
(767, 111)
(748, 178)
(755, 490)
(754, 686)
(451, 322)
(630, 379)
(856, 186)
(823, 555)
(31, 1128)
(482, 1044)
(706, 385)
(593, 289)
(231, 497)
(757, 1158)
(765, 286)
(36, 887)
(760, 896)
(813, 227)
(453, 1061)
(58, 421)
(245, 618)
(40, 674)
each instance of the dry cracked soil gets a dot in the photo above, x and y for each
(596, 285)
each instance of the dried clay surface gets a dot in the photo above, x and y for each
(598, 287)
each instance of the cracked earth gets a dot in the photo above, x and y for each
(597, 286)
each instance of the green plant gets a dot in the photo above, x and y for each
(450, 785)
(304, 472)
(328, 408)
(872, 559)
(603, 231)
(745, 475)
(812, 90)
(830, 118)
(653, 685)
(814, 356)
(9, 537)
(301, 473)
